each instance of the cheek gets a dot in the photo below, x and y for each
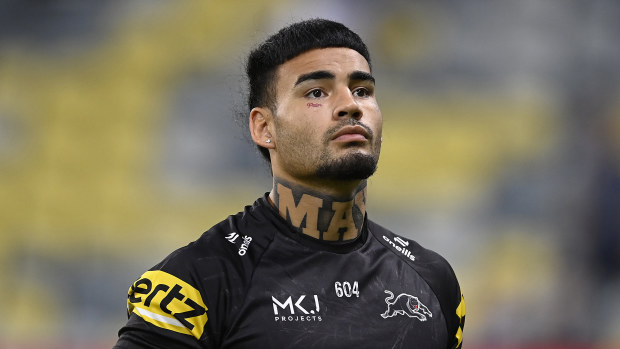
(300, 120)
(293, 133)
(375, 120)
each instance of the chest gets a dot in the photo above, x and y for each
(366, 299)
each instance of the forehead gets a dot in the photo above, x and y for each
(338, 60)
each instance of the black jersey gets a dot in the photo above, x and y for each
(253, 281)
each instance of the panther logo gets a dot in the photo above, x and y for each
(405, 304)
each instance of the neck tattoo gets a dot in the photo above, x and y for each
(318, 215)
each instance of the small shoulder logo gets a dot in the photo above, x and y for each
(405, 304)
(401, 241)
(401, 249)
(232, 237)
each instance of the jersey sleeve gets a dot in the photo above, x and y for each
(447, 289)
(460, 313)
(164, 311)
(185, 300)
(138, 333)
(192, 298)
(442, 280)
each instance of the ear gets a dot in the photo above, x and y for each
(260, 127)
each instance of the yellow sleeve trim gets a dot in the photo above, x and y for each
(460, 312)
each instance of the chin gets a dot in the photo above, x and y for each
(353, 166)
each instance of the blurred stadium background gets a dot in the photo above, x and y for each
(502, 152)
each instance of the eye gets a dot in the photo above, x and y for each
(361, 92)
(315, 93)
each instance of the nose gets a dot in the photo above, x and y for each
(347, 106)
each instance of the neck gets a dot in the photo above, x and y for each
(320, 215)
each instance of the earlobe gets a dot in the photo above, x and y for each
(260, 123)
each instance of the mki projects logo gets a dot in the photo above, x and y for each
(299, 309)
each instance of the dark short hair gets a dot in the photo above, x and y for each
(286, 44)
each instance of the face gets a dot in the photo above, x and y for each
(327, 122)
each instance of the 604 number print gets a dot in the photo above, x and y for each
(346, 289)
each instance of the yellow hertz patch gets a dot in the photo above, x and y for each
(168, 302)
(460, 312)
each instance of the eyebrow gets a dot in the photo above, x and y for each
(357, 75)
(315, 75)
(361, 76)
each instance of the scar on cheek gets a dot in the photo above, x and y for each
(315, 105)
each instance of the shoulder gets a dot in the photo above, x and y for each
(409, 249)
(201, 280)
(431, 266)
(236, 242)
(434, 269)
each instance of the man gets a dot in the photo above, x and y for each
(303, 267)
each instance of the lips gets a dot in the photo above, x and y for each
(351, 134)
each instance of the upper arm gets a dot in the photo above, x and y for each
(140, 334)
(162, 308)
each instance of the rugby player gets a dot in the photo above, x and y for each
(303, 266)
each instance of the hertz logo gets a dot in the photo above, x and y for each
(168, 302)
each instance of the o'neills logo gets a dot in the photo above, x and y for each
(243, 249)
(297, 310)
(400, 248)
